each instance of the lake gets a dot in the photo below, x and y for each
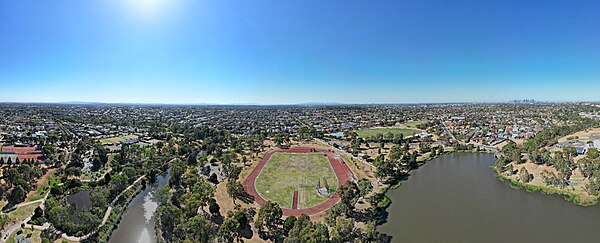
(457, 198)
(137, 224)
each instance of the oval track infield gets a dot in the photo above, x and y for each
(341, 170)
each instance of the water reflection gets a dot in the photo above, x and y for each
(137, 224)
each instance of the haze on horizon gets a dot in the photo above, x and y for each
(284, 52)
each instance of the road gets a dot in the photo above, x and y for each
(481, 146)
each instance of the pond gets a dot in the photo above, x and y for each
(457, 198)
(137, 223)
(81, 200)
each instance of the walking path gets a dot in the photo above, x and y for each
(342, 172)
(106, 214)
(64, 235)
(16, 226)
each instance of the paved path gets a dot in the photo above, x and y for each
(342, 172)
(106, 214)
(8, 231)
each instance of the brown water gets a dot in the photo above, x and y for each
(137, 224)
(457, 198)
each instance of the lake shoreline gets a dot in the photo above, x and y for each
(456, 198)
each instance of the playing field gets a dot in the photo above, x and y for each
(114, 140)
(285, 173)
(384, 131)
(413, 124)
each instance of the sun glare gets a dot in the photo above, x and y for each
(149, 9)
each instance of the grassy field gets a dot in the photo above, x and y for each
(42, 190)
(413, 124)
(116, 139)
(394, 130)
(35, 235)
(21, 213)
(286, 172)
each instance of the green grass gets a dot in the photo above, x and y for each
(23, 212)
(114, 140)
(579, 199)
(35, 235)
(41, 191)
(413, 123)
(286, 172)
(384, 131)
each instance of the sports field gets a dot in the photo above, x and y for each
(114, 140)
(285, 173)
(413, 124)
(384, 131)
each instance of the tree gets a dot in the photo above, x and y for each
(364, 186)
(570, 151)
(129, 172)
(235, 190)
(199, 229)
(592, 153)
(288, 224)
(279, 139)
(17, 195)
(232, 227)
(269, 218)
(4, 219)
(118, 183)
(343, 231)
(169, 217)
(524, 175)
(348, 194)
(213, 207)
(192, 159)
(306, 231)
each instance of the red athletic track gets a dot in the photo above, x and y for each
(295, 200)
(341, 170)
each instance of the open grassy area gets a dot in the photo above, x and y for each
(286, 172)
(394, 130)
(42, 190)
(116, 139)
(413, 123)
(21, 213)
(32, 235)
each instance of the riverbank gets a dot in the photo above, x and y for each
(111, 223)
(577, 197)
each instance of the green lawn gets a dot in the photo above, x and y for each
(394, 130)
(286, 172)
(35, 235)
(23, 212)
(41, 191)
(114, 140)
(413, 123)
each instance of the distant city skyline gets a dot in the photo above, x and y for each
(283, 52)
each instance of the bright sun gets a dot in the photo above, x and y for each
(149, 9)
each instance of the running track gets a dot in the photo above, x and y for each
(341, 170)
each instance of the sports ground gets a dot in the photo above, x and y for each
(289, 178)
(384, 131)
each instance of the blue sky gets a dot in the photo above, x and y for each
(280, 52)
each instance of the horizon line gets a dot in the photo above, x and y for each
(522, 101)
